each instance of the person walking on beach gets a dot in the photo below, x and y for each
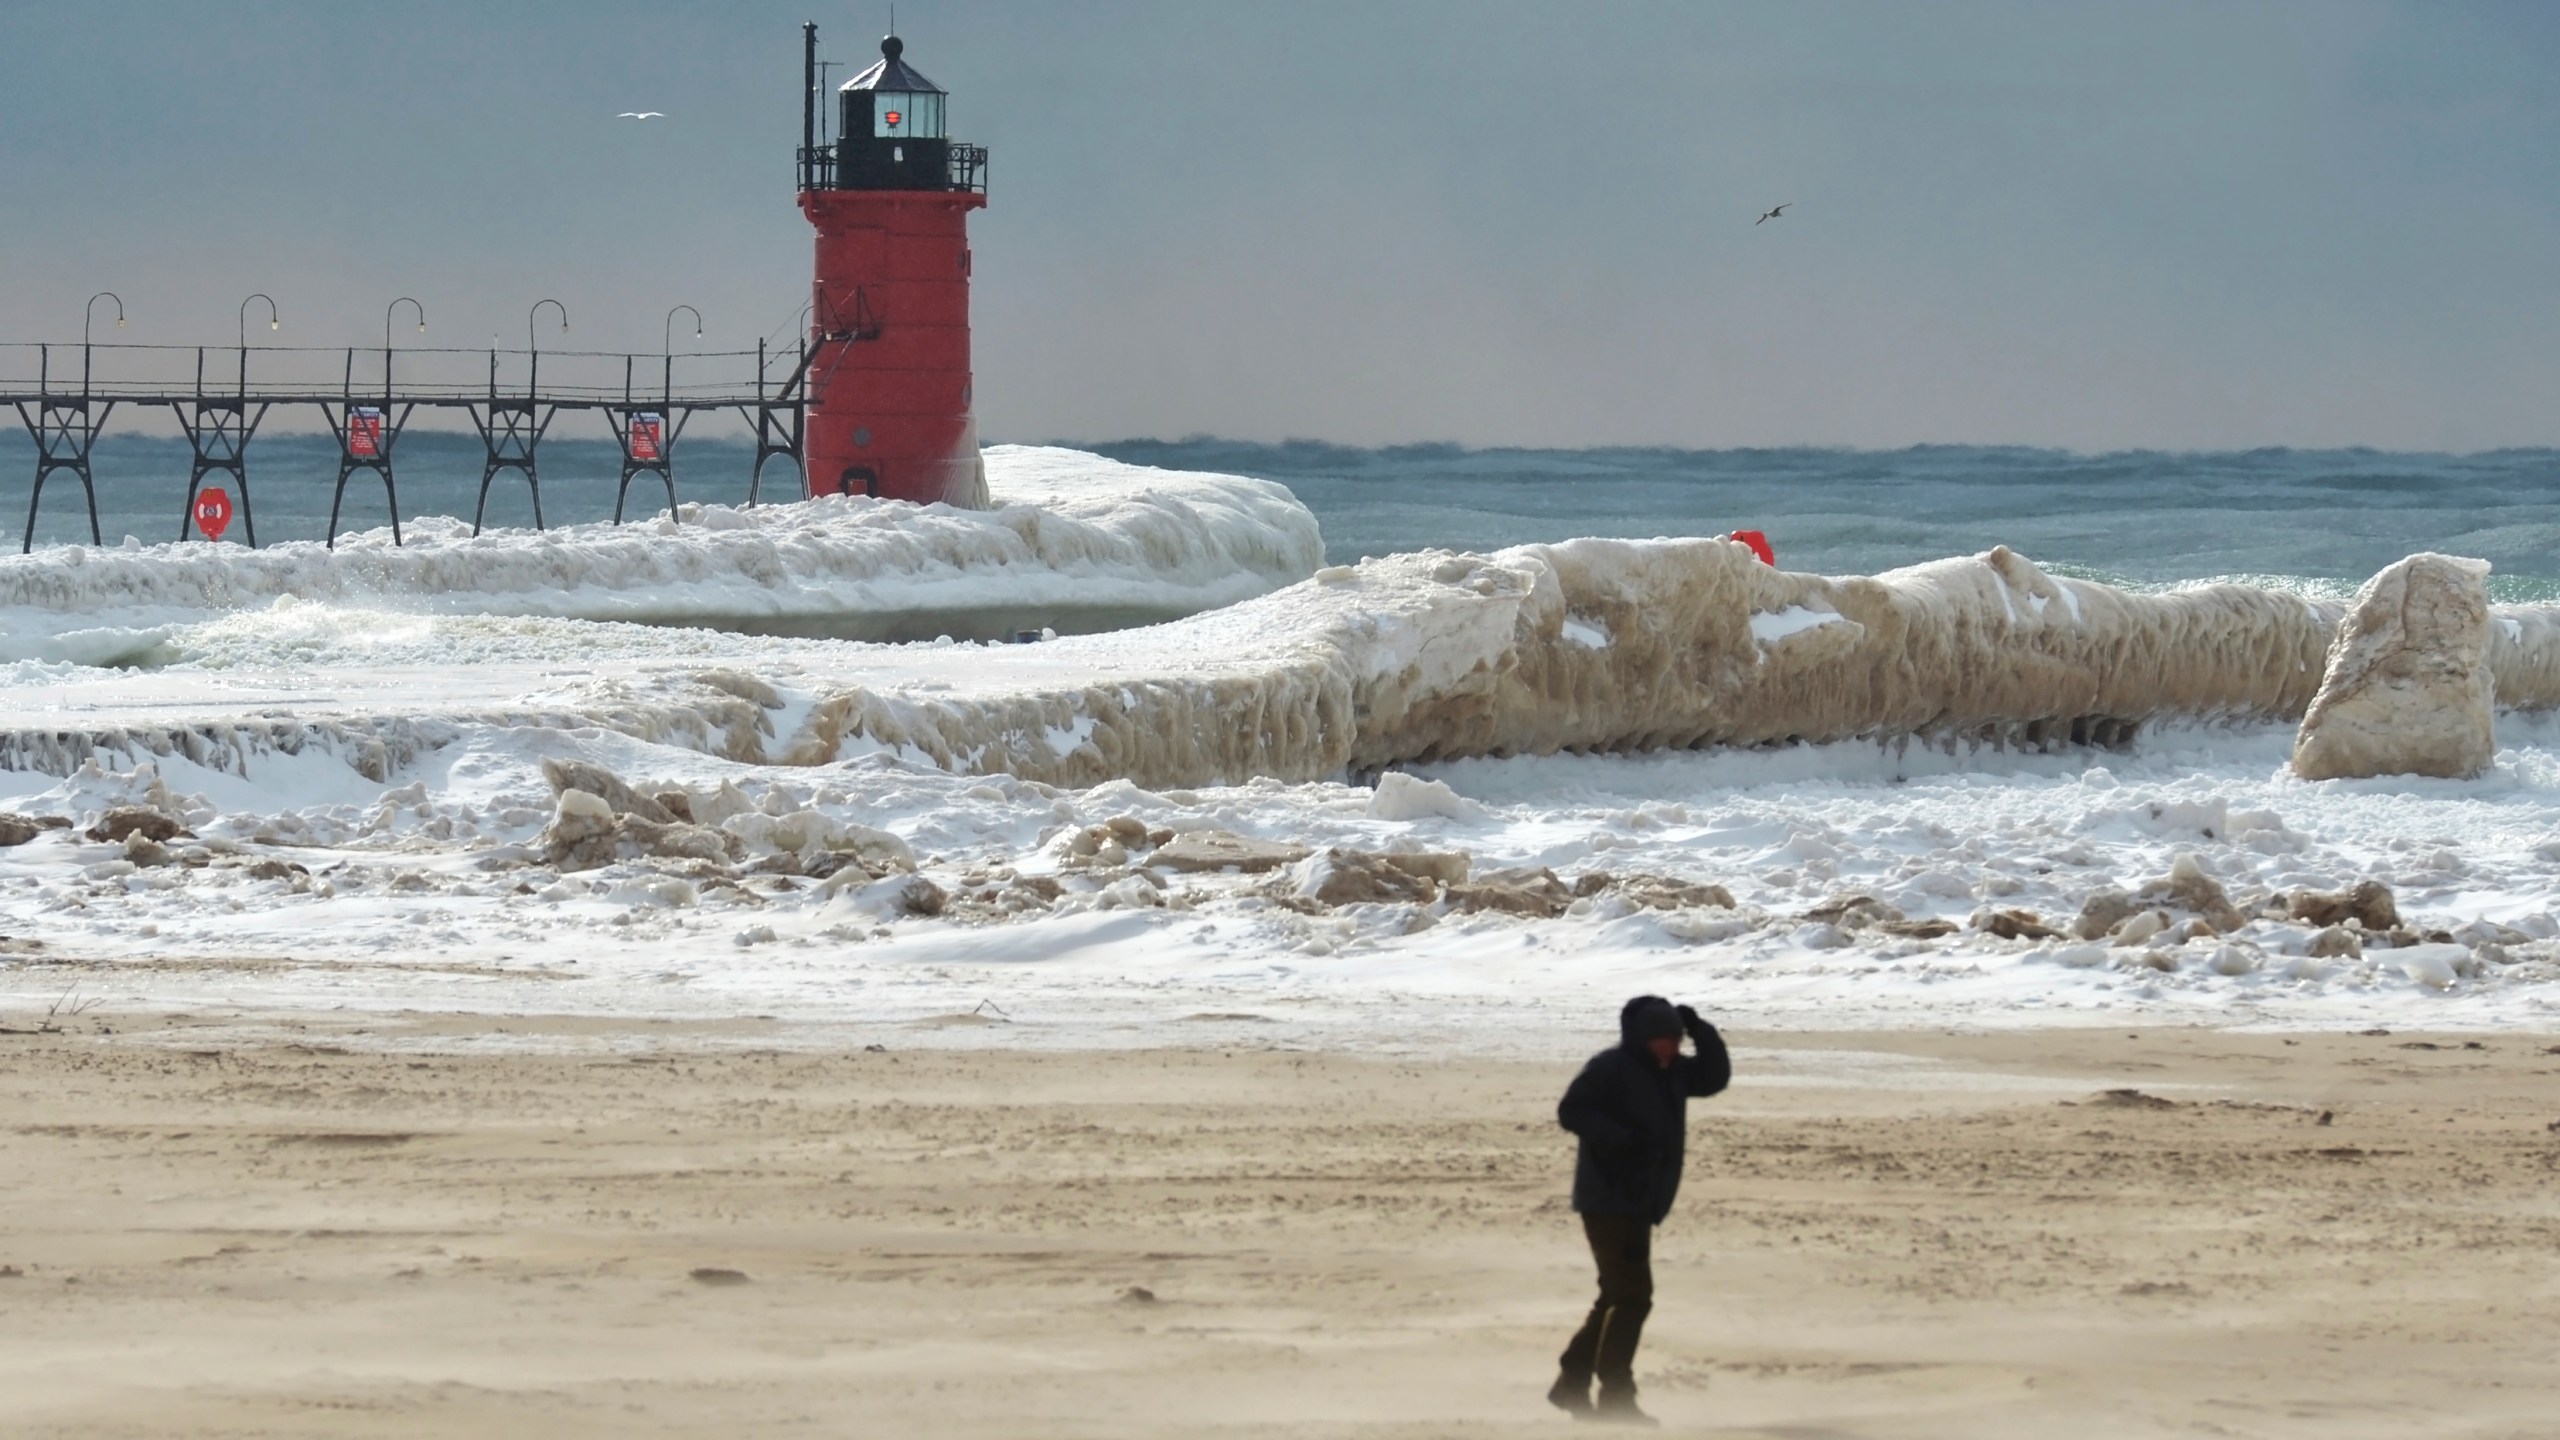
(1630, 1109)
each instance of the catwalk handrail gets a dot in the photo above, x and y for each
(7, 345)
(581, 395)
(42, 371)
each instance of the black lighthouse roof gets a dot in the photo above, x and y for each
(893, 73)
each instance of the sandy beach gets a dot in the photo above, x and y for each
(507, 1225)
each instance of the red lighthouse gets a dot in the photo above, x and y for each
(889, 383)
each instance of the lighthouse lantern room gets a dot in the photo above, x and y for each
(890, 393)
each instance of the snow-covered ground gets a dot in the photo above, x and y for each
(861, 837)
(307, 888)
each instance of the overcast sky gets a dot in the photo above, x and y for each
(2092, 225)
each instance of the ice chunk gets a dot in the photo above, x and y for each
(653, 890)
(2408, 689)
(2208, 818)
(810, 833)
(1700, 927)
(1400, 796)
(2235, 958)
(2434, 966)
(1205, 851)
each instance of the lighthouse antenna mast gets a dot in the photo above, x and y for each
(808, 104)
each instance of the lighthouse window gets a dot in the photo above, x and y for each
(906, 115)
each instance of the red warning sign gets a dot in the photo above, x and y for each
(364, 433)
(645, 432)
(213, 511)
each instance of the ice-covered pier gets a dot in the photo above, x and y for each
(66, 394)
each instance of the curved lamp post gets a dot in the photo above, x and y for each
(529, 342)
(666, 347)
(387, 312)
(273, 320)
(90, 309)
(393, 308)
(86, 312)
(533, 348)
(666, 332)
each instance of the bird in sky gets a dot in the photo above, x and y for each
(1772, 215)
(641, 115)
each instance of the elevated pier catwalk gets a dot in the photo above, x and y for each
(66, 394)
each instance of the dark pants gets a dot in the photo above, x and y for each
(1622, 1247)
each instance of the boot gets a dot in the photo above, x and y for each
(1571, 1394)
(1618, 1407)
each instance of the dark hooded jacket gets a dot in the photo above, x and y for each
(1632, 1115)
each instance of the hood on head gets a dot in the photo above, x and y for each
(1648, 1017)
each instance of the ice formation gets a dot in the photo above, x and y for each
(1402, 660)
(1514, 783)
(1069, 530)
(2407, 690)
(1415, 658)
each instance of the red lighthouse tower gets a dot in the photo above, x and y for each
(889, 383)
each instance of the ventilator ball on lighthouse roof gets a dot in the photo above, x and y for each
(892, 73)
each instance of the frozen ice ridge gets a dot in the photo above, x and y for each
(1620, 645)
(1068, 531)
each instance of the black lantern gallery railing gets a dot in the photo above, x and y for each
(964, 174)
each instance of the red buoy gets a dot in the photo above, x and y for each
(890, 391)
(1759, 544)
(213, 511)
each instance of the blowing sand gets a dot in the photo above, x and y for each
(660, 1230)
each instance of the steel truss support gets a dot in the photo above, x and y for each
(218, 429)
(780, 420)
(65, 431)
(510, 432)
(664, 466)
(395, 418)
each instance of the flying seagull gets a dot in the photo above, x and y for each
(1774, 214)
(641, 115)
